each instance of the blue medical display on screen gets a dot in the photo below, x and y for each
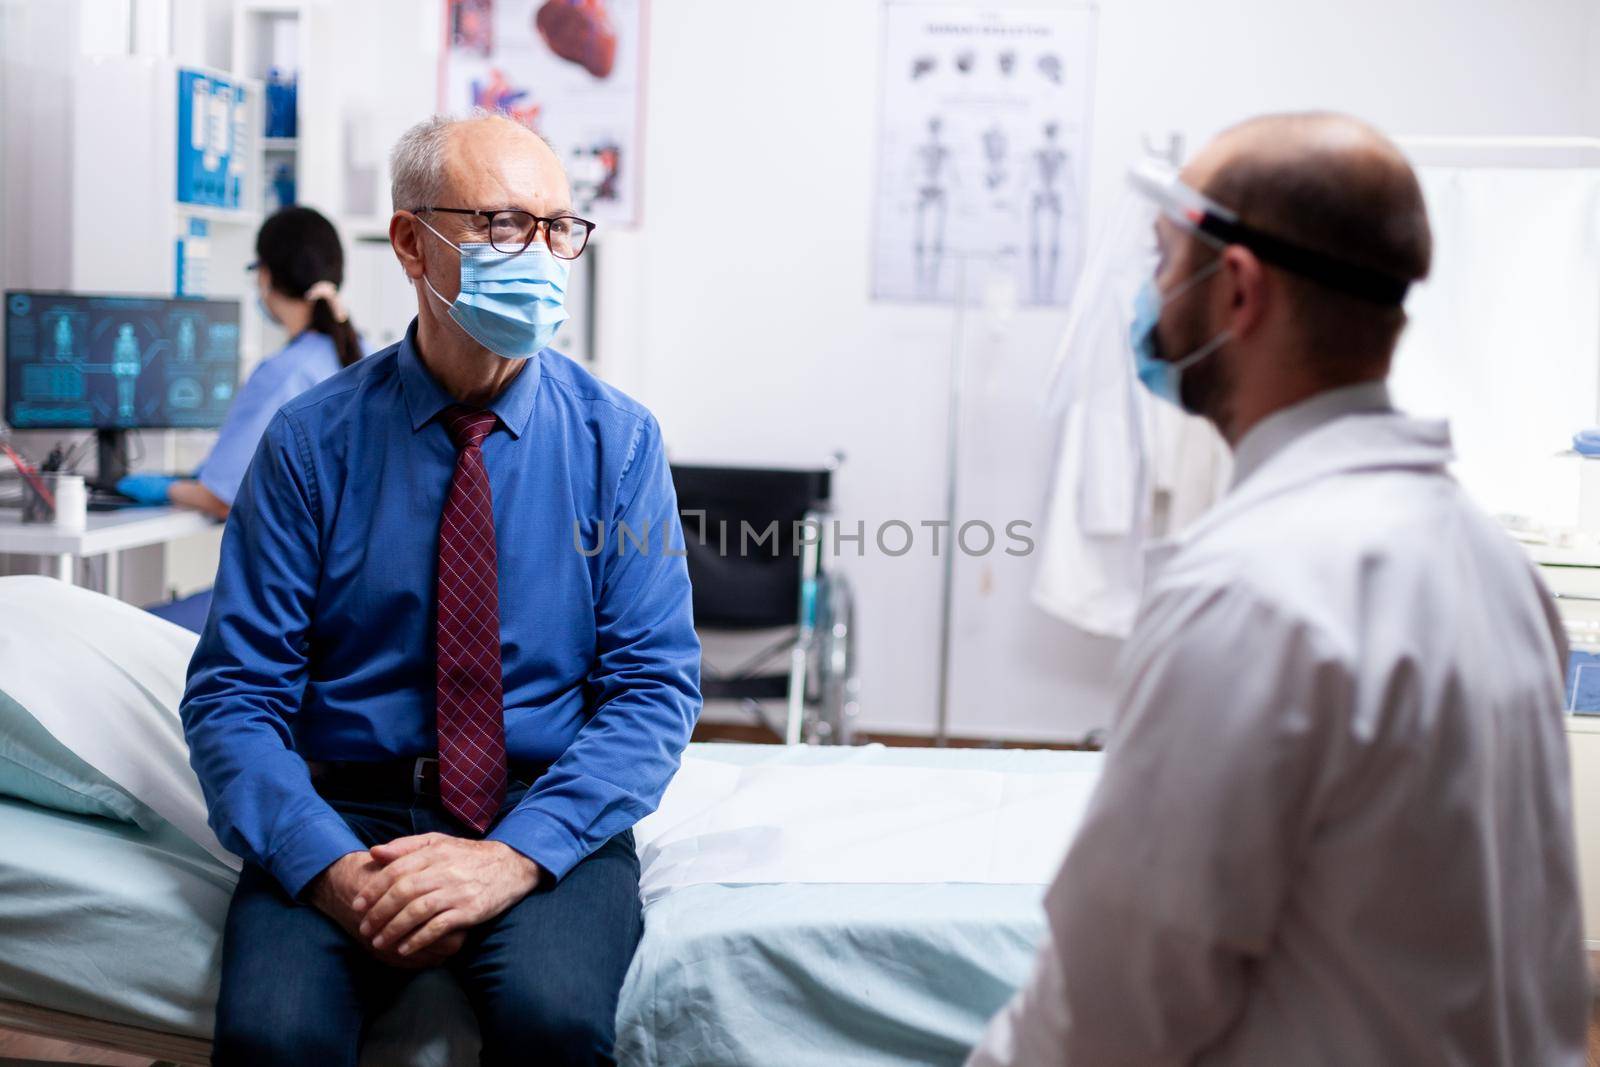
(108, 362)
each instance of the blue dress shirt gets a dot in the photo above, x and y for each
(320, 642)
(305, 361)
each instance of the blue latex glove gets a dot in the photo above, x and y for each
(147, 489)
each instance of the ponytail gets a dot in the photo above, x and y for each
(329, 318)
(301, 251)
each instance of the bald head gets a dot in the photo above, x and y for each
(485, 161)
(1335, 185)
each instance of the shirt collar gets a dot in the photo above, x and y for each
(426, 398)
(1273, 433)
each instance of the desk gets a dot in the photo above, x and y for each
(107, 533)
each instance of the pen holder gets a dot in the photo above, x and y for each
(68, 495)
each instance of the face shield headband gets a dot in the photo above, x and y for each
(1218, 225)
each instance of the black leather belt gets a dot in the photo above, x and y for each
(402, 779)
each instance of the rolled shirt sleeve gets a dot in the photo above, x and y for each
(645, 682)
(249, 672)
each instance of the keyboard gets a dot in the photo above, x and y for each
(109, 500)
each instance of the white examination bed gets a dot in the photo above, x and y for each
(109, 934)
(802, 906)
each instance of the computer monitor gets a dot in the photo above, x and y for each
(75, 361)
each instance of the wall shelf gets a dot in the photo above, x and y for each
(225, 216)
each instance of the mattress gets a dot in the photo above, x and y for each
(113, 923)
(105, 921)
(833, 974)
(830, 975)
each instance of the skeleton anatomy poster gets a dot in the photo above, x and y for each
(985, 122)
(569, 69)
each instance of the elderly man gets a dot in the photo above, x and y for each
(424, 711)
(1334, 825)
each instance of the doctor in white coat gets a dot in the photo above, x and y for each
(1335, 822)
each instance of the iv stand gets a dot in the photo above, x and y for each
(958, 360)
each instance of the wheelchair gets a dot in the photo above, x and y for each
(756, 544)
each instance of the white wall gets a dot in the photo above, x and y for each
(765, 345)
(42, 43)
(768, 345)
(1591, 90)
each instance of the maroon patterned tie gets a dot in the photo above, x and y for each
(471, 705)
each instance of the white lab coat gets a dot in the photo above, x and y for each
(1334, 825)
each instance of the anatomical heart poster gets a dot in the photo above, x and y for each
(572, 70)
(982, 151)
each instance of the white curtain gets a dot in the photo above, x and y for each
(1504, 339)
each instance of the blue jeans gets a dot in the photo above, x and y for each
(543, 978)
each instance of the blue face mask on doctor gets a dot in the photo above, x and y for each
(1163, 377)
(511, 303)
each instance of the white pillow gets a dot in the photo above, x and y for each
(104, 679)
(35, 767)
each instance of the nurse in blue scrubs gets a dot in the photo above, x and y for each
(299, 268)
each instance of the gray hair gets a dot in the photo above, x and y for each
(417, 163)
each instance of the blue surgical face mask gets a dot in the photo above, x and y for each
(1164, 378)
(511, 303)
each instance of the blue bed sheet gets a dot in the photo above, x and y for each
(107, 920)
(103, 919)
(831, 975)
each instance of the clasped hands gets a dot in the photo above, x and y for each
(411, 901)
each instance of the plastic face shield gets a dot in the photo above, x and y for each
(1159, 183)
(1096, 356)
(1105, 412)
(1218, 226)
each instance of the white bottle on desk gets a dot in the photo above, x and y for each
(72, 501)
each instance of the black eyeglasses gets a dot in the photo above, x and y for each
(513, 231)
